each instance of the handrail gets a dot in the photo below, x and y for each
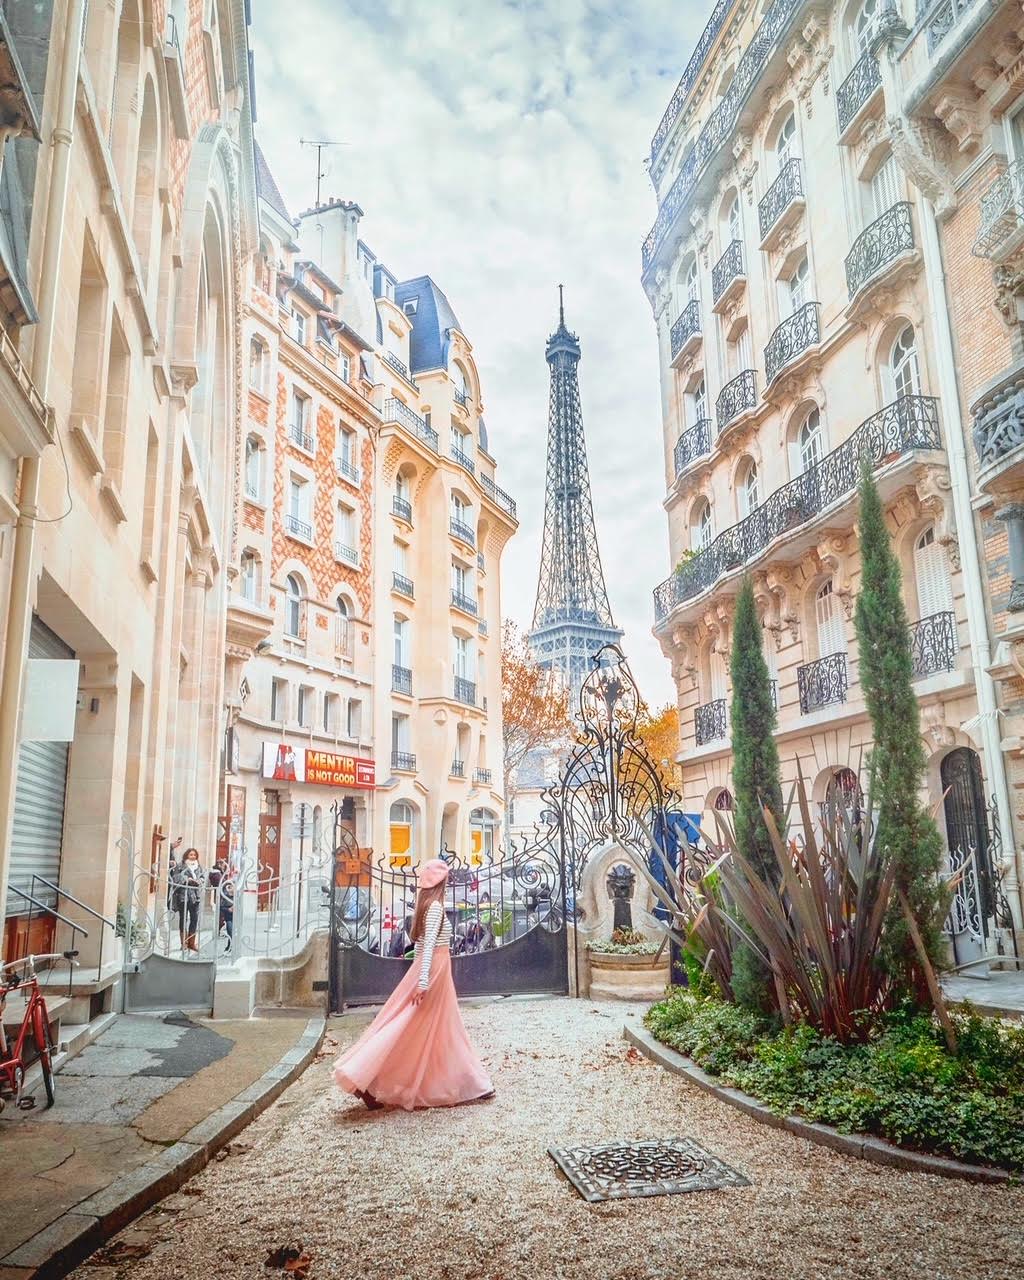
(52, 911)
(71, 898)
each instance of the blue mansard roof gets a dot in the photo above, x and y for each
(431, 324)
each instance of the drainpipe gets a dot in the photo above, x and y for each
(971, 558)
(19, 617)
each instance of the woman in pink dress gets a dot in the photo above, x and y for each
(416, 1052)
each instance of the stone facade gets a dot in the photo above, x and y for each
(810, 229)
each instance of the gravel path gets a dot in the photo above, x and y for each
(471, 1193)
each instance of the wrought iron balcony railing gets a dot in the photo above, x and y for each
(689, 76)
(795, 335)
(401, 679)
(877, 245)
(934, 645)
(943, 18)
(481, 626)
(499, 496)
(463, 459)
(999, 419)
(459, 529)
(720, 126)
(302, 438)
(728, 268)
(786, 188)
(299, 528)
(822, 683)
(709, 722)
(403, 760)
(1002, 213)
(461, 398)
(465, 691)
(347, 469)
(685, 326)
(396, 411)
(466, 603)
(400, 367)
(480, 562)
(342, 551)
(735, 398)
(403, 585)
(251, 491)
(483, 776)
(910, 423)
(857, 89)
(774, 685)
(694, 443)
(402, 508)
(458, 769)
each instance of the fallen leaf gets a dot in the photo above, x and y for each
(290, 1258)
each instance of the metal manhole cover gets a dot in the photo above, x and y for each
(659, 1167)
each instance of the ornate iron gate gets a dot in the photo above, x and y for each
(968, 838)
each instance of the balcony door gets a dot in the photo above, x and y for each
(884, 188)
(718, 680)
(931, 569)
(829, 618)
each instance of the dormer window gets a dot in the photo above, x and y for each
(387, 289)
(409, 306)
(299, 326)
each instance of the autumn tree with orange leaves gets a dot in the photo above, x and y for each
(534, 706)
(659, 732)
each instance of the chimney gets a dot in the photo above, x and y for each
(328, 235)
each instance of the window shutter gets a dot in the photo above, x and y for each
(934, 586)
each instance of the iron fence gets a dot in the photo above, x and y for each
(499, 496)
(465, 691)
(403, 760)
(461, 530)
(943, 18)
(402, 508)
(403, 585)
(1002, 211)
(300, 528)
(463, 602)
(401, 679)
(463, 459)
(396, 411)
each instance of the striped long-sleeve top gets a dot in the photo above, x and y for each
(437, 931)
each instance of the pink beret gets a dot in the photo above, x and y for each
(432, 873)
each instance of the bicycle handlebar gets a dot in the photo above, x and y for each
(31, 961)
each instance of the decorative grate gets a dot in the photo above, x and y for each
(999, 420)
(689, 76)
(694, 443)
(400, 367)
(933, 644)
(709, 722)
(660, 1167)
(878, 245)
(685, 325)
(735, 398)
(347, 469)
(795, 335)
(461, 398)
(302, 438)
(822, 683)
(728, 268)
(857, 89)
(1002, 212)
(458, 769)
(483, 776)
(403, 760)
(780, 195)
(346, 553)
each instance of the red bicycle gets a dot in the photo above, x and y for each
(20, 977)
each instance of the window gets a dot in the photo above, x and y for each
(884, 188)
(810, 443)
(401, 635)
(698, 403)
(366, 265)
(409, 306)
(345, 533)
(861, 29)
(353, 719)
(931, 569)
(277, 700)
(460, 578)
(904, 372)
(749, 492)
(829, 618)
(330, 711)
(785, 143)
(483, 828)
(299, 326)
(701, 532)
(302, 704)
(348, 453)
(343, 628)
(253, 468)
(298, 515)
(403, 844)
(293, 607)
(459, 382)
(734, 223)
(462, 658)
(258, 362)
(693, 281)
(248, 576)
(719, 684)
(299, 421)
(739, 353)
(345, 366)
(462, 442)
(798, 286)
(400, 738)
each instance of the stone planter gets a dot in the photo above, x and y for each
(617, 976)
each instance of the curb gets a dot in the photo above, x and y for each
(69, 1239)
(863, 1146)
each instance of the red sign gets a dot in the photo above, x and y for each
(285, 763)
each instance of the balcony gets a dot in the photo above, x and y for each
(481, 626)
(396, 411)
(298, 528)
(728, 276)
(346, 554)
(299, 436)
(463, 459)
(1002, 216)
(999, 431)
(463, 602)
(400, 367)
(347, 470)
(689, 76)
(774, 686)
(907, 424)
(878, 247)
(465, 691)
(459, 529)
(402, 585)
(401, 680)
(709, 722)
(857, 90)
(796, 335)
(942, 19)
(402, 508)
(781, 204)
(461, 398)
(823, 683)
(482, 776)
(458, 769)
(498, 496)
(735, 399)
(694, 443)
(934, 644)
(403, 762)
(685, 334)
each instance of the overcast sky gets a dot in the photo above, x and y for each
(499, 148)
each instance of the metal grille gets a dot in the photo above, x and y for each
(347, 469)
(402, 508)
(933, 644)
(458, 769)
(822, 683)
(943, 18)
(780, 195)
(709, 722)
(686, 324)
(463, 459)
(396, 411)
(689, 76)
(403, 585)
(735, 398)
(302, 438)
(462, 530)
(401, 679)
(857, 89)
(507, 503)
(661, 1167)
(967, 836)
(403, 760)
(300, 528)
(999, 420)
(483, 776)
(1002, 211)
(400, 367)
(728, 268)
(349, 554)
(694, 443)
(466, 603)
(795, 335)
(877, 245)
(465, 691)
(461, 398)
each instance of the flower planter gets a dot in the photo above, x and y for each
(618, 976)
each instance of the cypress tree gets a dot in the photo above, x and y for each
(755, 776)
(904, 828)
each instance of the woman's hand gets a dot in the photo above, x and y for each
(418, 994)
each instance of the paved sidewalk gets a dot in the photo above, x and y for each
(1001, 993)
(148, 1086)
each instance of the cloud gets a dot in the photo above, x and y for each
(499, 148)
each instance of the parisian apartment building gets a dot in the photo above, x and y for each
(832, 272)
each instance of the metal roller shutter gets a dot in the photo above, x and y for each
(38, 826)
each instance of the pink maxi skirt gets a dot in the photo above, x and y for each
(416, 1055)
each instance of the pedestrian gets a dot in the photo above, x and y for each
(226, 910)
(416, 1052)
(187, 890)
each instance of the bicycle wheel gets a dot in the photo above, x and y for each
(44, 1046)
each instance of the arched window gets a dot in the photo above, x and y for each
(862, 28)
(294, 607)
(459, 382)
(931, 570)
(716, 669)
(687, 282)
(785, 143)
(798, 286)
(701, 532)
(749, 489)
(402, 486)
(697, 403)
(724, 801)
(483, 828)
(343, 628)
(258, 359)
(829, 619)
(904, 373)
(733, 222)
(403, 832)
(125, 105)
(810, 443)
(249, 576)
(253, 468)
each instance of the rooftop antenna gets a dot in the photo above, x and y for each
(321, 172)
(561, 307)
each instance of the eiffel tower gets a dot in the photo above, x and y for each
(571, 617)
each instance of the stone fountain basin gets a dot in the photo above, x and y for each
(618, 976)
